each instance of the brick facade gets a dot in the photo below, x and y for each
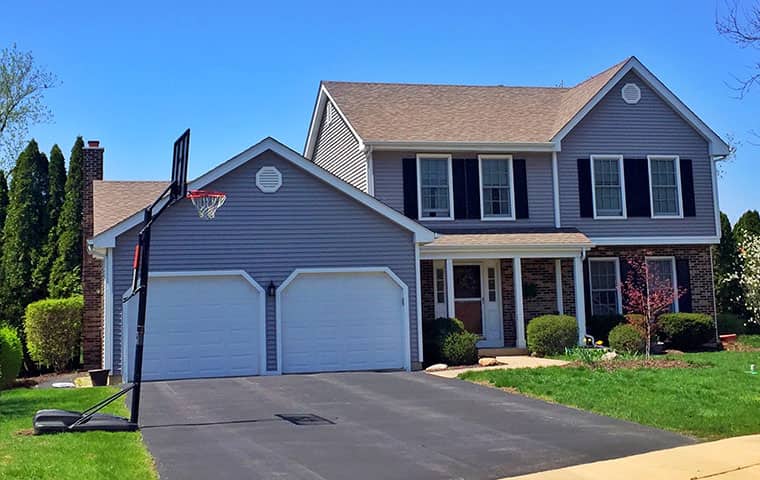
(568, 287)
(92, 268)
(539, 287)
(508, 302)
(700, 268)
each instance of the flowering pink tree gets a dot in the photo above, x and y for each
(647, 294)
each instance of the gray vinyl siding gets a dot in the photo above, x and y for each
(635, 131)
(337, 150)
(389, 188)
(307, 223)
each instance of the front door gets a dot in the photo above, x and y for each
(477, 301)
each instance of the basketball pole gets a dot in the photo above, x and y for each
(144, 243)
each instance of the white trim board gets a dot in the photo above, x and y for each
(107, 238)
(716, 144)
(644, 241)
(299, 271)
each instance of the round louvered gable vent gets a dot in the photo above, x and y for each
(631, 93)
(268, 179)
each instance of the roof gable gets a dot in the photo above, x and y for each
(387, 114)
(107, 237)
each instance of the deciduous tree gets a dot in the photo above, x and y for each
(728, 289)
(647, 295)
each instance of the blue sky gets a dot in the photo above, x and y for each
(136, 76)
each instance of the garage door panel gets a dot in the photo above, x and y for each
(202, 326)
(342, 321)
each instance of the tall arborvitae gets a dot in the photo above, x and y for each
(23, 233)
(3, 205)
(728, 290)
(55, 197)
(65, 276)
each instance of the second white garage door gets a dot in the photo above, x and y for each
(339, 321)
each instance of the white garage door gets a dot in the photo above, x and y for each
(337, 321)
(201, 326)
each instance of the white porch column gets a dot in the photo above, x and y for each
(580, 303)
(558, 282)
(519, 312)
(450, 288)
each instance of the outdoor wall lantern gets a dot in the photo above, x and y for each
(271, 289)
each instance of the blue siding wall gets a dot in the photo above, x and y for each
(635, 131)
(307, 223)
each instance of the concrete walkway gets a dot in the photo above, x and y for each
(518, 361)
(730, 459)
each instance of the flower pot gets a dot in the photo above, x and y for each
(99, 377)
(728, 338)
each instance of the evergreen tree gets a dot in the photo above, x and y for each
(55, 197)
(749, 222)
(65, 276)
(3, 206)
(728, 290)
(23, 233)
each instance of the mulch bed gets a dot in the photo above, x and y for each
(46, 379)
(611, 365)
(739, 347)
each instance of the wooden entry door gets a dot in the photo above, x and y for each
(468, 297)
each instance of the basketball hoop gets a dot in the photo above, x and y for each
(207, 203)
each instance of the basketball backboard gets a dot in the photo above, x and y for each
(179, 167)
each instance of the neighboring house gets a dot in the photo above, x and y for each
(537, 194)
(492, 204)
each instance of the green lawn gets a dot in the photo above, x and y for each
(92, 455)
(716, 400)
(751, 340)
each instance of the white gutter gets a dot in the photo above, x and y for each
(482, 147)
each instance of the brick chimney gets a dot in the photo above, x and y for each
(92, 268)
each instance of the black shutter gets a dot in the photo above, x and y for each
(637, 187)
(625, 268)
(521, 188)
(409, 172)
(684, 282)
(584, 188)
(459, 182)
(472, 185)
(687, 189)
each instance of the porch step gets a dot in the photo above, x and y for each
(502, 352)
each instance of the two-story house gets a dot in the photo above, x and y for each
(538, 196)
(491, 204)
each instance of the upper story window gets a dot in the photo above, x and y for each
(604, 279)
(608, 187)
(496, 187)
(436, 198)
(665, 186)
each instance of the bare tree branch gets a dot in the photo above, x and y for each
(741, 26)
(22, 89)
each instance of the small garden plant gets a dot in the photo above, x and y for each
(53, 330)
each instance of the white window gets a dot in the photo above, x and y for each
(662, 272)
(609, 189)
(665, 186)
(497, 195)
(435, 195)
(604, 276)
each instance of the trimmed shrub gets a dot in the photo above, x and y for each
(626, 338)
(599, 326)
(52, 330)
(459, 348)
(552, 334)
(434, 333)
(11, 356)
(730, 323)
(687, 331)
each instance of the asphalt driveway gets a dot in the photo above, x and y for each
(371, 426)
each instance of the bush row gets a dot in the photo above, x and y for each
(447, 341)
(52, 331)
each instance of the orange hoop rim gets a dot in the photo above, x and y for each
(204, 193)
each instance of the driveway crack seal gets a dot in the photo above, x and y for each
(743, 467)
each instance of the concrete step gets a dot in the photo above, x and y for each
(502, 352)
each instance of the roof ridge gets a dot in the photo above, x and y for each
(414, 84)
(592, 77)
